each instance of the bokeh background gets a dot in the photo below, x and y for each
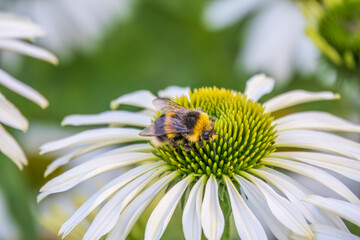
(109, 48)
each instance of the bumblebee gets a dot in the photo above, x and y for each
(178, 125)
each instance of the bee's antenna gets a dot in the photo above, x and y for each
(213, 148)
(224, 139)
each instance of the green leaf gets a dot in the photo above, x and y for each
(20, 203)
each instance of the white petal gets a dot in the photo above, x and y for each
(12, 26)
(163, 212)
(192, 211)
(293, 192)
(212, 217)
(324, 232)
(11, 148)
(296, 97)
(315, 120)
(94, 136)
(11, 116)
(300, 192)
(282, 209)
(344, 166)
(141, 98)
(315, 174)
(258, 86)
(110, 117)
(22, 89)
(102, 194)
(90, 169)
(346, 210)
(321, 141)
(28, 49)
(134, 210)
(63, 160)
(106, 219)
(247, 225)
(173, 92)
(257, 200)
(221, 13)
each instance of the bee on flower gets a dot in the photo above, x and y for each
(247, 163)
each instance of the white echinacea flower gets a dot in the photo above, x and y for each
(277, 29)
(248, 166)
(13, 31)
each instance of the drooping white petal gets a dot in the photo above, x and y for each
(11, 148)
(28, 49)
(65, 159)
(102, 194)
(110, 117)
(295, 97)
(282, 209)
(22, 89)
(212, 217)
(141, 98)
(247, 225)
(318, 141)
(292, 192)
(347, 167)
(325, 232)
(133, 211)
(163, 212)
(12, 26)
(293, 189)
(173, 92)
(346, 210)
(316, 121)
(90, 169)
(316, 174)
(192, 211)
(11, 116)
(258, 86)
(256, 198)
(93, 136)
(106, 219)
(221, 13)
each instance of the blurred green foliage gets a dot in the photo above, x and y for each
(18, 199)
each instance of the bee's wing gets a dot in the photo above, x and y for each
(166, 105)
(175, 127)
(148, 131)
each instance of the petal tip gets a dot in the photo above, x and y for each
(114, 105)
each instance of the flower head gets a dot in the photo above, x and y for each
(12, 30)
(247, 165)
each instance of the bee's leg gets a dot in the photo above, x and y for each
(187, 145)
(174, 143)
(200, 143)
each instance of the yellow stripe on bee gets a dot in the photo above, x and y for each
(202, 124)
(168, 125)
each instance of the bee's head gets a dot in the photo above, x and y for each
(208, 134)
(208, 131)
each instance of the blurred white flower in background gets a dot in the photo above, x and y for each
(275, 41)
(13, 30)
(71, 25)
